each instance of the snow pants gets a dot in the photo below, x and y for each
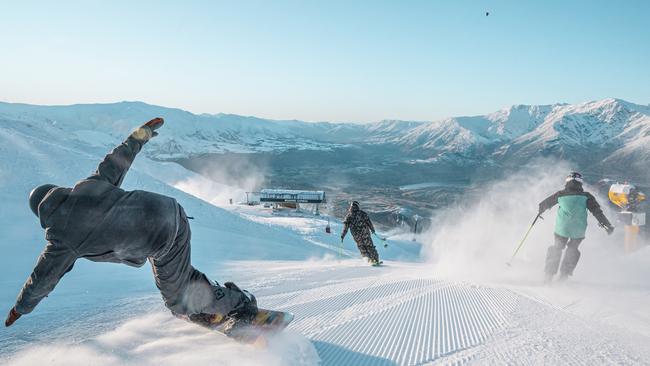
(367, 248)
(571, 256)
(186, 290)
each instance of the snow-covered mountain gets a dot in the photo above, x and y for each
(191, 134)
(611, 129)
(188, 133)
(474, 135)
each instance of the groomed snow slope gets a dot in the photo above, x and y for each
(408, 312)
(350, 314)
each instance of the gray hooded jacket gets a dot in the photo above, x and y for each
(99, 221)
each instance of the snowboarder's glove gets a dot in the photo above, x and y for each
(12, 317)
(609, 229)
(148, 130)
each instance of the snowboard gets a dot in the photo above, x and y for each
(266, 323)
(374, 264)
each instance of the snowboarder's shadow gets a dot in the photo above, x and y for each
(334, 354)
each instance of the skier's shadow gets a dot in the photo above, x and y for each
(333, 354)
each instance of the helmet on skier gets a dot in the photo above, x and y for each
(354, 206)
(36, 196)
(574, 176)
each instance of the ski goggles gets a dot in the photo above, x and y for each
(576, 177)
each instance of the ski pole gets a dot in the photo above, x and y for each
(521, 243)
(341, 249)
(608, 229)
(382, 239)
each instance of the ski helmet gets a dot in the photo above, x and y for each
(574, 176)
(36, 196)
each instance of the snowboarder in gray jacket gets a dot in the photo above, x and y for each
(98, 221)
(570, 225)
(358, 222)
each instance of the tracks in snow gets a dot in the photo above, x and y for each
(402, 315)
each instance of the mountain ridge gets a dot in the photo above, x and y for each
(612, 130)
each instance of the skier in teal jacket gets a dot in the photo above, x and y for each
(570, 225)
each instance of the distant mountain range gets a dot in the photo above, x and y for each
(609, 131)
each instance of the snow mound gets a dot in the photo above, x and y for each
(161, 339)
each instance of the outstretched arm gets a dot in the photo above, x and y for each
(346, 226)
(55, 261)
(549, 202)
(594, 208)
(116, 164)
(369, 224)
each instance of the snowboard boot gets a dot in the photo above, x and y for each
(243, 313)
(563, 277)
(242, 316)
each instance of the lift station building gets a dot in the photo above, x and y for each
(291, 198)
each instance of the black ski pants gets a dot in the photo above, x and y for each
(367, 247)
(571, 256)
(186, 290)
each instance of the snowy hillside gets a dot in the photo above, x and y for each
(187, 133)
(449, 300)
(190, 134)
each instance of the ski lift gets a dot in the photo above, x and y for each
(415, 228)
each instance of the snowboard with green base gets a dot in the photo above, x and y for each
(266, 323)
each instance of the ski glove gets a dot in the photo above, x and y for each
(12, 317)
(609, 229)
(148, 130)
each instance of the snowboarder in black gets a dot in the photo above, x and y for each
(99, 221)
(358, 222)
(570, 225)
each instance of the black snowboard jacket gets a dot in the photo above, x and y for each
(358, 222)
(99, 221)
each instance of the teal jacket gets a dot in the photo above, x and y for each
(571, 220)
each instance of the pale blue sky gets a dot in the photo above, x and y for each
(325, 60)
